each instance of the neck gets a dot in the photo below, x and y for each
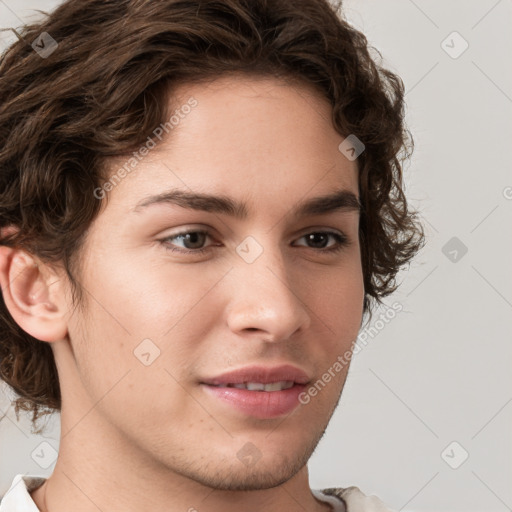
(105, 472)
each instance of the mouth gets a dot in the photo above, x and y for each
(259, 386)
(256, 391)
(276, 399)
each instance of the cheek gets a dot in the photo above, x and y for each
(148, 297)
(133, 383)
(339, 301)
(154, 316)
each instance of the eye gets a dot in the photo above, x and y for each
(193, 241)
(320, 240)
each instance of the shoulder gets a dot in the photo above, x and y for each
(17, 498)
(356, 501)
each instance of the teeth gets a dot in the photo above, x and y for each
(255, 386)
(274, 386)
(259, 386)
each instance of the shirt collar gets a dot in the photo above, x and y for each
(17, 498)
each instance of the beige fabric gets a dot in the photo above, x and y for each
(355, 500)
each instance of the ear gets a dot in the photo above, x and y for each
(34, 295)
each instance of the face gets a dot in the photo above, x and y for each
(185, 290)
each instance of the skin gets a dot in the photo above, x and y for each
(136, 437)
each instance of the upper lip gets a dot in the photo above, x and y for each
(263, 374)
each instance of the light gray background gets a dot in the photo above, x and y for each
(439, 372)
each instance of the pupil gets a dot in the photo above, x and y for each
(192, 238)
(322, 236)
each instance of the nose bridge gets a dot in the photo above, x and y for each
(266, 298)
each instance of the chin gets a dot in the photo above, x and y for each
(271, 470)
(248, 479)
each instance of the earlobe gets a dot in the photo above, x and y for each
(33, 295)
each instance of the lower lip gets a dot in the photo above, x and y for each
(260, 404)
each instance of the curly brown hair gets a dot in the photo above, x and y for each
(101, 92)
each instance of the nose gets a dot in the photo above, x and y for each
(264, 299)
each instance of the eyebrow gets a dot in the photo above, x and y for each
(340, 200)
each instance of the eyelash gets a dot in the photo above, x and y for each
(342, 242)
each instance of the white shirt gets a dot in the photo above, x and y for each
(351, 499)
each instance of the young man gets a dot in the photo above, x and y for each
(200, 201)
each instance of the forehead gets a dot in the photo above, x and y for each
(247, 137)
